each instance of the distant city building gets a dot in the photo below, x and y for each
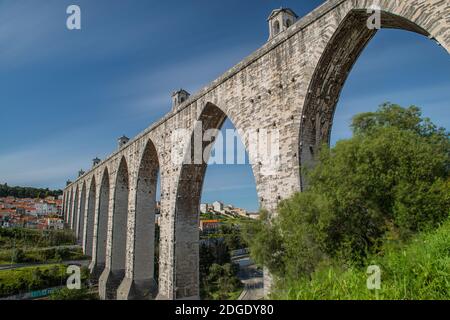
(218, 206)
(55, 224)
(29, 213)
(209, 225)
(203, 208)
(253, 215)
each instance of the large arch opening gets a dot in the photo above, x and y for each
(332, 70)
(189, 195)
(146, 242)
(81, 213)
(75, 212)
(102, 226)
(119, 231)
(90, 215)
(69, 207)
(228, 199)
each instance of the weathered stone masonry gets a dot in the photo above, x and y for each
(292, 84)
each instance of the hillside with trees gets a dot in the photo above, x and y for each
(380, 198)
(27, 192)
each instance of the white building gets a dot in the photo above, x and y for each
(253, 215)
(218, 206)
(55, 224)
(44, 208)
(203, 207)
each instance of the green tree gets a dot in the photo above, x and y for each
(223, 279)
(18, 256)
(67, 294)
(389, 181)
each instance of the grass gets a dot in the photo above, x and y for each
(235, 294)
(28, 238)
(418, 270)
(40, 255)
(27, 279)
(66, 294)
(31, 278)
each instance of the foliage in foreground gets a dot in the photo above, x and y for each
(76, 294)
(419, 270)
(384, 185)
(31, 278)
(27, 279)
(218, 275)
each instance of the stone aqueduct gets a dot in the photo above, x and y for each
(292, 83)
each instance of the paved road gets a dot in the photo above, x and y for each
(252, 279)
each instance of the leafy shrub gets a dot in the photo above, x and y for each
(417, 270)
(388, 182)
(66, 294)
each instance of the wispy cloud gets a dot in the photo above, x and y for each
(150, 90)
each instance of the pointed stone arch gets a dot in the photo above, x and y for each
(114, 271)
(69, 206)
(337, 59)
(74, 217)
(81, 212)
(88, 234)
(139, 282)
(101, 226)
(188, 196)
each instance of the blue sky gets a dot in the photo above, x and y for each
(65, 96)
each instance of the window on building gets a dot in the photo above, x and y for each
(276, 27)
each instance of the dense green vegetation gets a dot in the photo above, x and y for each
(66, 294)
(40, 255)
(418, 270)
(27, 192)
(27, 279)
(367, 200)
(229, 230)
(22, 245)
(218, 274)
(28, 238)
(31, 278)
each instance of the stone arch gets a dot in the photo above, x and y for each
(101, 232)
(69, 206)
(88, 236)
(74, 217)
(139, 282)
(81, 213)
(114, 276)
(187, 207)
(66, 206)
(337, 59)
